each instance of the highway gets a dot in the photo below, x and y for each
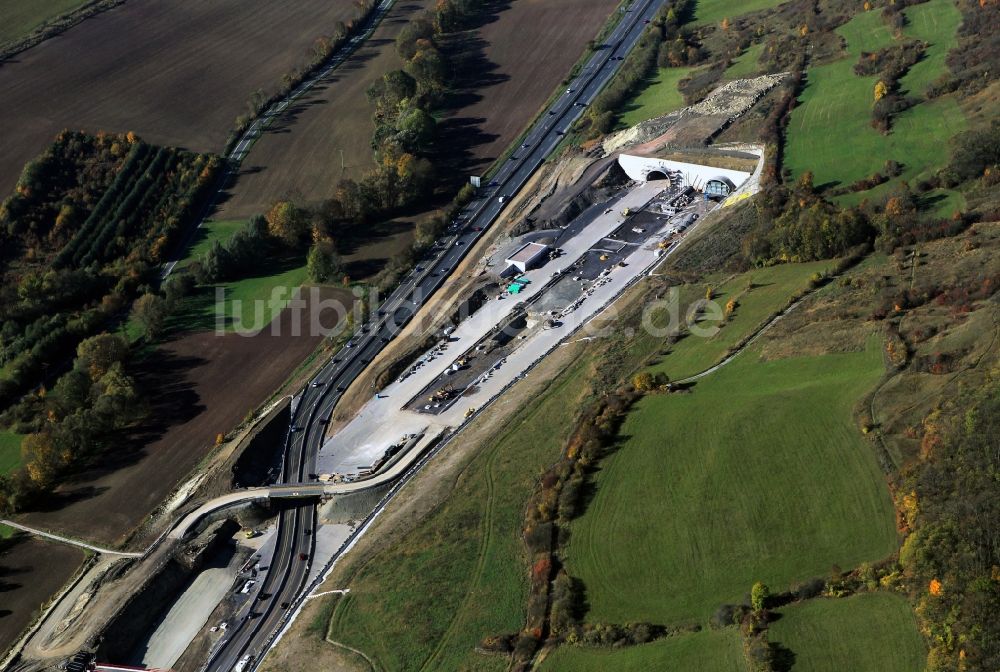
(283, 583)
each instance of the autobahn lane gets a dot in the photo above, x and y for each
(289, 565)
(288, 572)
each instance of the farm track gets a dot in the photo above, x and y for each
(486, 536)
(142, 67)
(300, 155)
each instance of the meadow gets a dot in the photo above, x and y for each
(759, 474)
(830, 133)
(705, 651)
(250, 302)
(771, 289)
(871, 632)
(714, 11)
(746, 65)
(659, 96)
(20, 17)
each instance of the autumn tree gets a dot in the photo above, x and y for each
(643, 382)
(150, 310)
(322, 262)
(759, 595)
(288, 223)
(647, 382)
(880, 90)
(41, 458)
(99, 353)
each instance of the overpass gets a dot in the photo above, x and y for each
(305, 490)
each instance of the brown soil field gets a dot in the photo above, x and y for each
(176, 73)
(198, 384)
(515, 62)
(509, 67)
(300, 154)
(31, 572)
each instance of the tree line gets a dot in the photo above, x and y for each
(403, 175)
(952, 554)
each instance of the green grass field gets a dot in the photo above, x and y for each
(249, 304)
(461, 574)
(7, 532)
(935, 23)
(714, 11)
(873, 632)
(20, 17)
(759, 474)
(772, 288)
(658, 97)
(747, 64)
(10, 451)
(261, 297)
(207, 234)
(830, 132)
(705, 651)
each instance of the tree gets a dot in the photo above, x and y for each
(248, 245)
(415, 129)
(389, 92)
(99, 353)
(429, 70)
(117, 401)
(647, 382)
(322, 262)
(213, 266)
(643, 382)
(406, 42)
(880, 90)
(150, 310)
(41, 458)
(177, 286)
(72, 390)
(759, 595)
(287, 223)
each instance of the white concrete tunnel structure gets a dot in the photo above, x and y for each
(709, 179)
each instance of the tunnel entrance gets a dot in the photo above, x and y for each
(655, 175)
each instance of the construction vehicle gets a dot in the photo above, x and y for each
(626, 212)
(470, 412)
